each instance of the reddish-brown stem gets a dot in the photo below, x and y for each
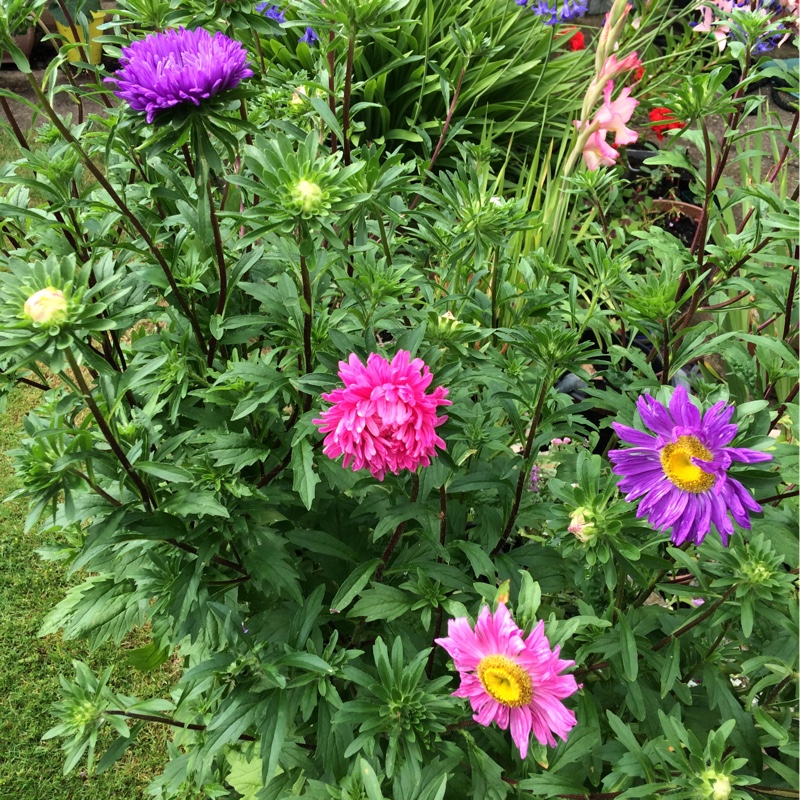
(778, 497)
(787, 314)
(669, 637)
(12, 121)
(332, 88)
(273, 473)
(221, 269)
(102, 492)
(789, 397)
(147, 498)
(348, 86)
(36, 385)
(524, 469)
(726, 303)
(189, 726)
(387, 553)
(123, 207)
(437, 627)
(445, 128)
(74, 31)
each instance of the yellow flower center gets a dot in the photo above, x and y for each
(505, 681)
(676, 461)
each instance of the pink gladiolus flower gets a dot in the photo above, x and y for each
(510, 680)
(597, 152)
(382, 418)
(613, 114)
(612, 68)
(709, 22)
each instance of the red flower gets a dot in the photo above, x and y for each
(577, 42)
(665, 116)
(639, 73)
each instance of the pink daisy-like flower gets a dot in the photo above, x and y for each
(382, 418)
(682, 470)
(510, 680)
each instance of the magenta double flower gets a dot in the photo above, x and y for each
(383, 419)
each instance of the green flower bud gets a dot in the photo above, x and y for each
(716, 786)
(307, 197)
(581, 525)
(47, 306)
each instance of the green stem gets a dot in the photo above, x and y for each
(123, 207)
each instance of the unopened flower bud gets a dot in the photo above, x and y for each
(581, 525)
(717, 786)
(46, 306)
(307, 197)
(298, 97)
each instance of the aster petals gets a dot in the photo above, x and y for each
(632, 436)
(746, 455)
(382, 418)
(523, 689)
(174, 67)
(680, 476)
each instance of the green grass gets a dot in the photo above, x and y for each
(29, 666)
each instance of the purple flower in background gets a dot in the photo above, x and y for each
(550, 15)
(178, 66)
(536, 475)
(271, 11)
(682, 470)
(545, 12)
(309, 37)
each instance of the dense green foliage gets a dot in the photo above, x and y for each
(182, 294)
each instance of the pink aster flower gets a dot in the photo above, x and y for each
(681, 470)
(510, 680)
(382, 418)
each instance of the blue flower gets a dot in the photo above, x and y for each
(550, 15)
(545, 12)
(309, 37)
(271, 11)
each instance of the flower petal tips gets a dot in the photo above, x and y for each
(382, 419)
(680, 470)
(174, 67)
(511, 680)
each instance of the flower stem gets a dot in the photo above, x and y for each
(121, 204)
(221, 268)
(190, 726)
(524, 472)
(12, 121)
(387, 553)
(437, 627)
(147, 498)
(445, 128)
(332, 87)
(348, 86)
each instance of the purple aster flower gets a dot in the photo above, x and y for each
(178, 66)
(309, 37)
(681, 471)
(271, 11)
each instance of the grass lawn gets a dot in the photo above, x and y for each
(29, 666)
